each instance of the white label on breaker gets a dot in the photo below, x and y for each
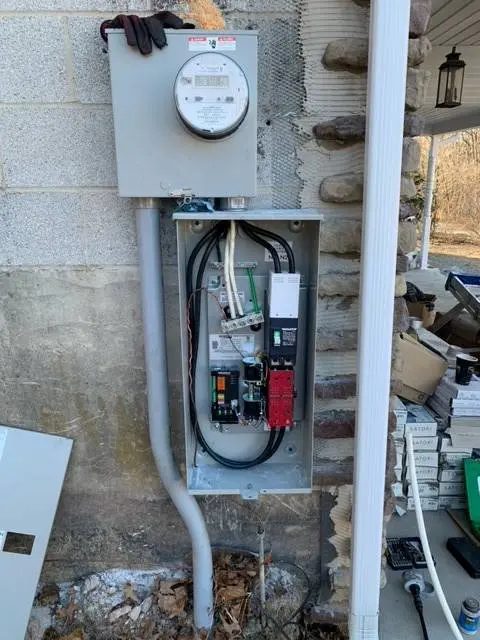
(230, 347)
(3, 535)
(282, 254)
(212, 43)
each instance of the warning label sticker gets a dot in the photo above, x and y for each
(230, 347)
(224, 299)
(280, 250)
(212, 43)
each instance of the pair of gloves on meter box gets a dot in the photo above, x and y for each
(141, 32)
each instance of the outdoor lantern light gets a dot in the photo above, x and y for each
(450, 81)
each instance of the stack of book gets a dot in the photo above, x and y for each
(458, 406)
(422, 425)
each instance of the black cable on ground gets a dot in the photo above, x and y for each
(417, 600)
(194, 317)
(277, 238)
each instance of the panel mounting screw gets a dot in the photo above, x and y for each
(197, 226)
(295, 225)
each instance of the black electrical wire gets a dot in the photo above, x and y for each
(194, 314)
(269, 247)
(277, 238)
(417, 600)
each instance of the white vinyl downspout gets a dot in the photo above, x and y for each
(427, 210)
(387, 68)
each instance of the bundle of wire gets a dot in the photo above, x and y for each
(228, 232)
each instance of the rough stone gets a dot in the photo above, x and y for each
(420, 13)
(57, 147)
(348, 284)
(407, 236)
(347, 187)
(351, 129)
(347, 53)
(32, 48)
(91, 71)
(351, 54)
(417, 87)
(338, 321)
(408, 188)
(408, 210)
(411, 155)
(336, 387)
(418, 50)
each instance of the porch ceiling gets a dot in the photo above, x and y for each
(454, 23)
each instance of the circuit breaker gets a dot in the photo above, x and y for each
(186, 130)
(186, 116)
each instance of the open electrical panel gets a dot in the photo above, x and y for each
(248, 348)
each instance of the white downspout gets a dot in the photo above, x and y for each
(427, 211)
(389, 27)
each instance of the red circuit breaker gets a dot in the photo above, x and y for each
(280, 398)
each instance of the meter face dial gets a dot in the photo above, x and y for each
(211, 95)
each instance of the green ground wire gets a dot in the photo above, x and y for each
(253, 291)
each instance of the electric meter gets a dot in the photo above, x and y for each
(211, 95)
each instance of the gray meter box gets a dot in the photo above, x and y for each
(158, 155)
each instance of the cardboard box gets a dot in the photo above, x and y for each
(418, 370)
(423, 311)
(425, 489)
(451, 475)
(452, 502)
(428, 504)
(423, 473)
(451, 489)
(425, 459)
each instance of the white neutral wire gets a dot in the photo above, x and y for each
(425, 545)
(226, 275)
(233, 280)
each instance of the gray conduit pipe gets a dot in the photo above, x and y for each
(150, 253)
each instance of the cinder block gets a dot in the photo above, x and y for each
(90, 64)
(57, 147)
(32, 60)
(67, 229)
(114, 6)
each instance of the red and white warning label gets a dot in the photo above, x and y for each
(212, 43)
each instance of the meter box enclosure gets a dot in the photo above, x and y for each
(186, 116)
(290, 469)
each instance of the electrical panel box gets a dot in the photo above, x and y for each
(254, 375)
(186, 116)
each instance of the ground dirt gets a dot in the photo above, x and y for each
(112, 606)
(458, 256)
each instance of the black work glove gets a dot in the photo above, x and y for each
(141, 31)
